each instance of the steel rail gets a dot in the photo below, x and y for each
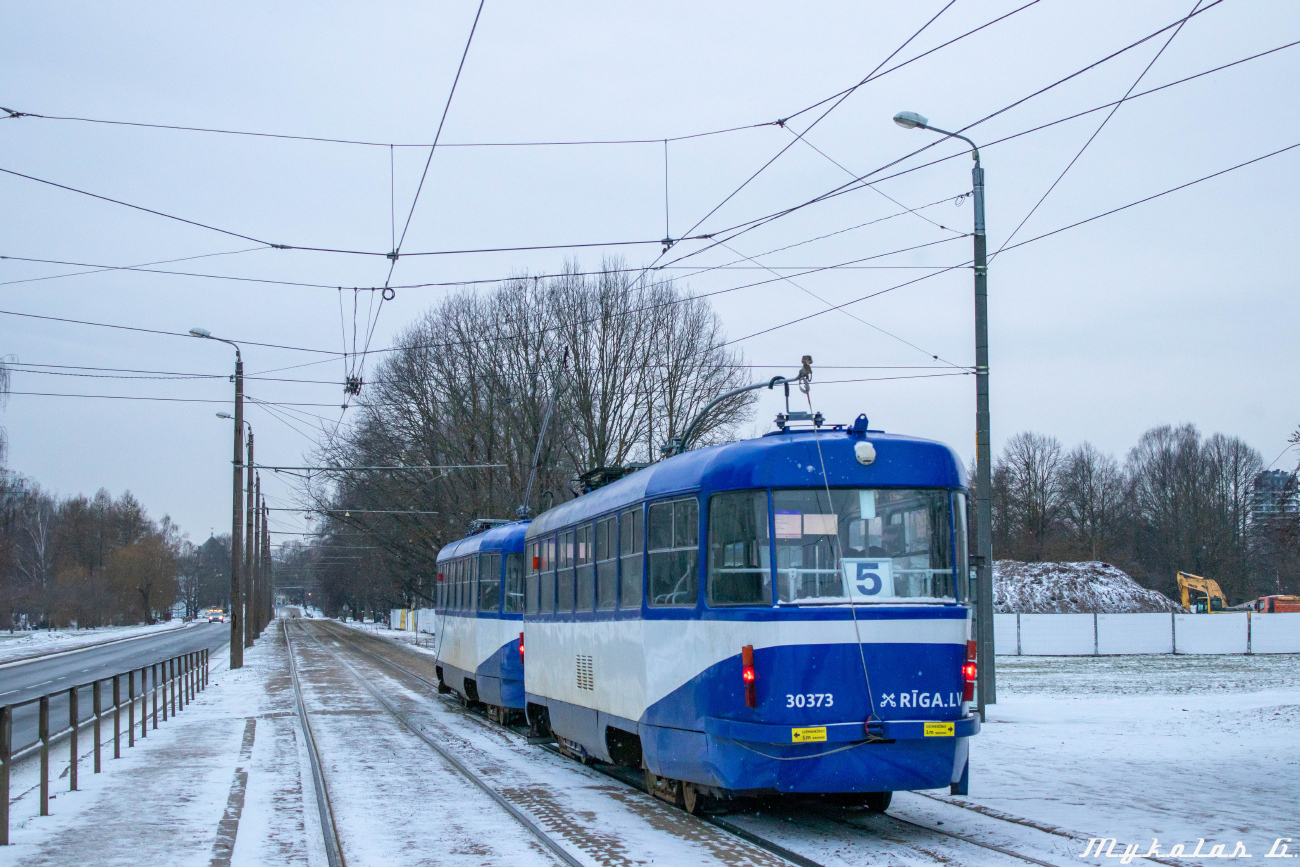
(749, 837)
(330, 831)
(549, 842)
(723, 824)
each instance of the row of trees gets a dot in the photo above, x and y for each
(1178, 502)
(97, 561)
(462, 399)
(629, 362)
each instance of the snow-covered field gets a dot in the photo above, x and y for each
(1175, 748)
(23, 645)
(1072, 588)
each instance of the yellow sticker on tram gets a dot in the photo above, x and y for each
(939, 730)
(807, 736)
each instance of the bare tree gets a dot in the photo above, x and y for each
(1093, 492)
(1030, 468)
(628, 363)
(34, 551)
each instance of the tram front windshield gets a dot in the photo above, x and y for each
(858, 545)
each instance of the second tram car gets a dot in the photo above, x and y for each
(479, 619)
(787, 614)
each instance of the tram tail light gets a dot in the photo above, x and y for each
(748, 676)
(968, 672)
(521, 647)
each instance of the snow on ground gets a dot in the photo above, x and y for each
(1072, 588)
(375, 769)
(167, 800)
(1175, 748)
(16, 646)
(1136, 748)
(606, 821)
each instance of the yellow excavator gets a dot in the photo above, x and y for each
(1200, 595)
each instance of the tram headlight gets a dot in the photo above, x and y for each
(865, 452)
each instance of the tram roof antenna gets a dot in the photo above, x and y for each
(523, 510)
(680, 444)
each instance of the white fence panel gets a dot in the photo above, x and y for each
(425, 620)
(1275, 633)
(1057, 635)
(1005, 641)
(395, 619)
(1210, 633)
(1134, 633)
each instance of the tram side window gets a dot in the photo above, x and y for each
(548, 576)
(631, 543)
(471, 582)
(534, 563)
(453, 586)
(740, 567)
(564, 581)
(489, 583)
(585, 568)
(460, 585)
(462, 601)
(674, 549)
(514, 583)
(606, 563)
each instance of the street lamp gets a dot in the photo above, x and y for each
(252, 546)
(987, 679)
(237, 517)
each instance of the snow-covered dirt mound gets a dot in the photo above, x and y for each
(1067, 588)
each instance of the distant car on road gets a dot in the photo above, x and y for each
(213, 615)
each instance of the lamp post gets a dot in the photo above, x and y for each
(236, 522)
(250, 540)
(986, 676)
(255, 619)
(250, 580)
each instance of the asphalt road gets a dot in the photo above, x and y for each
(37, 677)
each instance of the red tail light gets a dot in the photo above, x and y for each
(968, 672)
(521, 647)
(748, 676)
(537, 563)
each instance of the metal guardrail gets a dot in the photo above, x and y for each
(175, 681)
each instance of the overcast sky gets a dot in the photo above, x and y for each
(1182, 309)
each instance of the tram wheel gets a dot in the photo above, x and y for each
(693, 800)
(877, 802)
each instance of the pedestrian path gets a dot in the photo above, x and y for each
(219, 784)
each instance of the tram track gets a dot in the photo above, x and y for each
(551, 844)
(633, 780)
(329, 830)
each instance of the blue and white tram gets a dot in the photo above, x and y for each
(787, 614)
(479, 613)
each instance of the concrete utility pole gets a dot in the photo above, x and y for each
(255, 582)
(986, 683)
(250, 582)
(237, 518)
(268, 581)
